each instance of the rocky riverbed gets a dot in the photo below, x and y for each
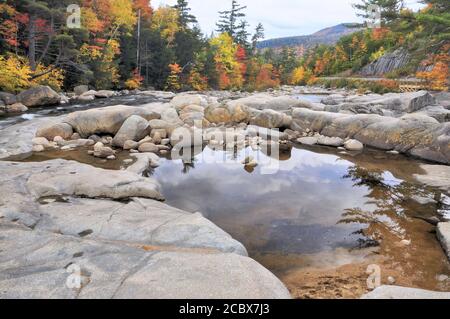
(112, 225)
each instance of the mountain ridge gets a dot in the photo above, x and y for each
(327, 36)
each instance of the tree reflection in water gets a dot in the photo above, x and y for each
(394, 221)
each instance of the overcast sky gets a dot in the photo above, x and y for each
(280, 18)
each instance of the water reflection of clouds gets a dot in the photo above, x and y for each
(315, 186)
(297, 159)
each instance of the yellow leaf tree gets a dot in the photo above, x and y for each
(166, 21)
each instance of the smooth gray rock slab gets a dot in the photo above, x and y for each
(213, 276)
(140, 221)
(17, 139)
(27, 182)
(395, 292)
(37, 264)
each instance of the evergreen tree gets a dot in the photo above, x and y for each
(242, 35)
(231, 22)
(185, 17)
(259, 35)
(436, 22)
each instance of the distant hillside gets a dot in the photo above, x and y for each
(327, 36)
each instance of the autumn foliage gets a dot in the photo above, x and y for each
(173, 81)
(438, 77)
(16, 75)
(128, 44)
(135, 82)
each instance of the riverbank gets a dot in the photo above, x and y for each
(164, 244)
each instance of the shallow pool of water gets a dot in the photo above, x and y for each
(319, 213)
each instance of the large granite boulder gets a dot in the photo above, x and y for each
(8, 98)
(170, 116)
(16, 108)
(135, 128)
(231, 112)
(106, 120)
(80, 89)
(192, 114)
(271, 119)
(104, 94)
(50, 131)
(182, 100)
(415, 135)
(39, 96)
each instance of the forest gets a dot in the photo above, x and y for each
(128, 44)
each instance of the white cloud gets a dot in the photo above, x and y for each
(280, 18)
